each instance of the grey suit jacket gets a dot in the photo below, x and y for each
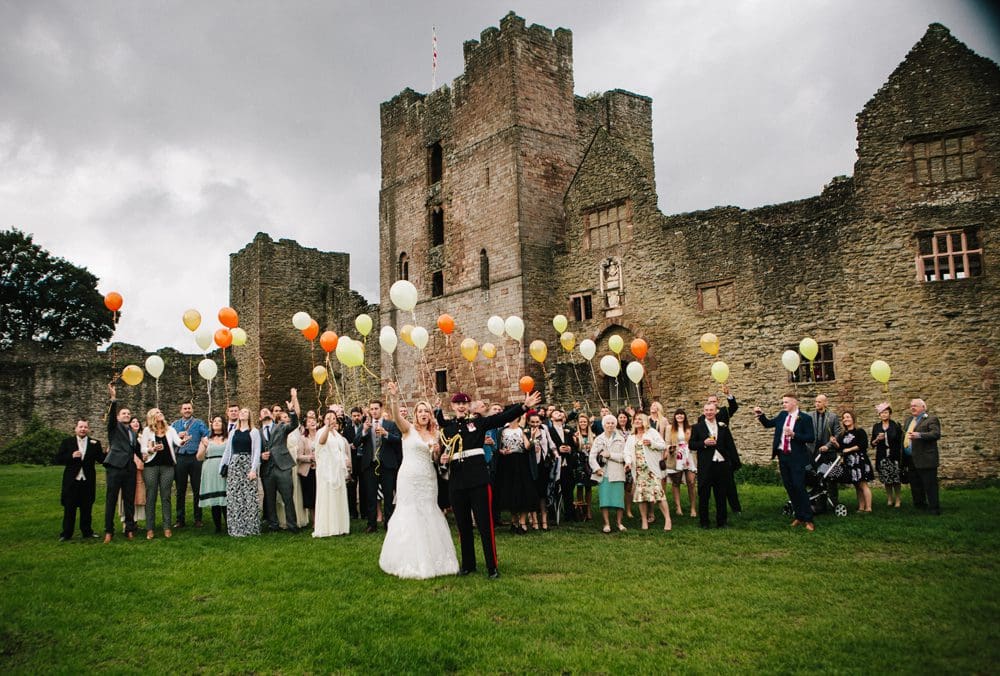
(831, 428)
(925, 447)
(277, 444)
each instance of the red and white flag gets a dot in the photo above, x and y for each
(434, 57)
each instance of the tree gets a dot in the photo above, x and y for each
(45, 298)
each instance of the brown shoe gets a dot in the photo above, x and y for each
(107, 538)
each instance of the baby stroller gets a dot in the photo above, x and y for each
(821, 485)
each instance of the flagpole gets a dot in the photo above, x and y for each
(434, 57)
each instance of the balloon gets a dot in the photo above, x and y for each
(720, 371)
(192, 320)
(239, 337)
(559, 323)
(635, 372)
(880, 371)
(567, 340)
(616, 344)
(328, 341)
(419, 336)
(406, 333)
(514, 326)
(207, 369)
(790, 360)
(809, 348)
(223, 338)
(203, 338)
(446, 324)
(588, 348)
(403, 295)
(113, 301)
(495, 325)
(639, 348)
(154, 365)
(387, 339)
(311, 331)
(469, 349)
(526, 383)
(320, 374)
(349, 352)
(300, 320)
(229, 318)
(610, 366)
(363, 323)
(489, 350)
(132, 375)
(710, 343)
(538, 350)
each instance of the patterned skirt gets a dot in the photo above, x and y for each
(888, 471)
(241, 499)
(858, 468)
(648, 487)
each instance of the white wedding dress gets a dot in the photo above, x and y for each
(418, 542)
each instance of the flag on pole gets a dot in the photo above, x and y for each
(434, 57)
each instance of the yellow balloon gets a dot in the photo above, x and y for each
(880, 371)
(489, 350)
(192, 320)
(406, 333)
(470, 349)
(320, 374)
(363, 323)
(710, 343)
(538, 350)
(616, 343)
(720, 371)
(239, 337)
(809, 348)
(132, 375)
(568, 341)
(559, 323)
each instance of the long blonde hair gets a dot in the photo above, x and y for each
(432, 425)
(158, 427)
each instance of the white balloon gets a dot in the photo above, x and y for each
(301, 320)
(635, 372)
(514, 326)
(588, 348)
(203, 338)
(610, 366)
(350, 352)
(403, 295)
(419, 336)
(154, 365)
(495, 325)
(207, 369)
(387, 339)
(790, 360)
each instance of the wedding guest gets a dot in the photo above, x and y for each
(491, 442)
(212, 490)
(624, 425)
(139, 510)
(355, 489)
(657, 419)
(793, 432)
(79, 453)
(306, 468)
(280, 463)
(607, 462)
(920, 451)
(542, 462)
(333, 465)
(191, 431)
(517, 492)
(232, 419)
(584, 486)
(120, 468)
(724, 413)
(597, 424)
(643, 451)
(382, 453)
(713, 443)
(887, 440)
(685, 468)
(159, 444)
(292, 442)
(853, 443)
(239, 466)
(569, 460)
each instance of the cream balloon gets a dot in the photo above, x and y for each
(809, 348)
(616, 343)
(207, 369)
(635, 372)
(363, 323)
(154, 365)
(319, 375)
(588, 348)
(469, 349)
(203, 338)
(610, 366)
(495, 325)
(720, 371)
(560, 323)
(239, 337)
(419, 336)
(514, 327)
(790, 360)
(349, 352)
(387, 339)
(568, 341)
(301, 320)
(538, 350)
(489, 350)
(403, 295)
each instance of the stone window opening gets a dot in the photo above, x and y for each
(441, 381)
(437, 226)
(435, 163)
(948, 255)
(403, 269)
(437, 284)
(716, 295)
(620, 392)
(582, 306)
(821, 370)
(942, 158)
(484, 270)
(607, 225)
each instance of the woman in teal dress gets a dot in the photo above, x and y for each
(213, 486)
(607, 461)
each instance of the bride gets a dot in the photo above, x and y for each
(418, 541)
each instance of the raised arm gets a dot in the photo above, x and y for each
(393, 400)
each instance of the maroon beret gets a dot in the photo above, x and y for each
(461, 398)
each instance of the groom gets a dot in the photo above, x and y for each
(469, 478)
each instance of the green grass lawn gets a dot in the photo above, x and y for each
(895, 591)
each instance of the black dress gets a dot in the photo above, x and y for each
(515, 489)
(857, 466)
(888, 452)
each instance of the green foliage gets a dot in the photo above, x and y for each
(36, 446)
(45, 298)
(760, 475)
(890, 592)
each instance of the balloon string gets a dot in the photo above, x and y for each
(475, 380)
(190, 376)
(578, 382)
(209, 399)
(597, 388)
(225, 379)
(157, 392)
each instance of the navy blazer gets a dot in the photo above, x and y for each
(803, 430)
(391, 455)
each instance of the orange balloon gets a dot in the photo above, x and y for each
(446, 324)
(328, 341)
(527, 384)
(311, 331)
(113, 301)
(229, 318)
(223, 338)
(639, 348)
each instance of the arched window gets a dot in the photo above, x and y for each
(403, 271)
(484, 270)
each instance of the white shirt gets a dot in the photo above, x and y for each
(81, 444)
(713, 429)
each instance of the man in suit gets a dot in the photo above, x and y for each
(120, 467)
(79, 483)
(232, 418)
(920, 451)
(381, 456)
(793, 432)
(280, 464)
(717, 455)
(825, 425)
(724, 414)
(352, 432)
(566, 447)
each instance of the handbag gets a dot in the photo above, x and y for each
(224, 471)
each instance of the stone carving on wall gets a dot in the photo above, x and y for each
(612, 286)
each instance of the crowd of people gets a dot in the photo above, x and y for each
(514, 466)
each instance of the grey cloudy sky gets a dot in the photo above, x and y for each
(148, 140)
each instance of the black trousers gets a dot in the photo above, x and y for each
(120, 480)
(732, 496)
(279, 481)
(352, 496)
(370, 482)
(80, 498)
(466, 502)
(717, 482)
(924, 487)
(188, 467)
